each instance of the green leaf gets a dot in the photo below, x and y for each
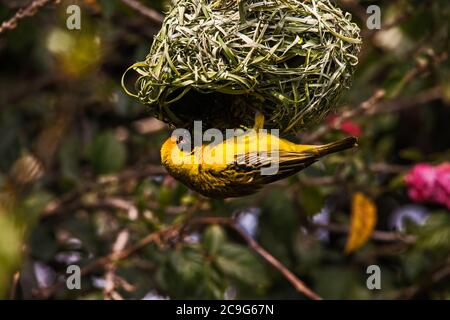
(10, 243)
(106, 154)
(187, 264)
(187, 274)
(435, 234)
(213, 239)
(333, 282)
(311, 200)
(241, 264)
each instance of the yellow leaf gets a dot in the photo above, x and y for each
(363, 220)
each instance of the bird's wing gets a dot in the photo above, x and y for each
(249, 167)
(286, 160)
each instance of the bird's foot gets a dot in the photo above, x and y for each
(259, 121)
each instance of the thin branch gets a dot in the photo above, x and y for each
(121, 204)
(377, 235)
(28, 11)
(72, 200)
(388, 168)
(109, 291)
(376, 104)
(14, 286)
(409, 102)
(364, 107)
(298, 284)
(152, 14)
(311, 181)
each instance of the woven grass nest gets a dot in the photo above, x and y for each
(219, 61)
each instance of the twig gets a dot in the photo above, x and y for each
(384, 236)
(377, 167)
(364, 107)
(109, 291)
(15, 284)
(23, 91)
(28, 11)
(128, 206)
(375, 103)
(152, 14)
(298, 284)
(409, 102)
(60, 205)
(387, 168)
(319, 181)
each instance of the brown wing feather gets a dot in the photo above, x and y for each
(289, 163)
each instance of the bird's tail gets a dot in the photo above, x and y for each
(336, 146)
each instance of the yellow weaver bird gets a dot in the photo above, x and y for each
(240, 166)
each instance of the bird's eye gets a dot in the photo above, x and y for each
(183, 142)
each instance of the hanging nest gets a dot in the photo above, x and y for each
(221, 60)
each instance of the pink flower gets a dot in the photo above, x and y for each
(442, 189)
(347, 126)
(351, 128)
(420, 181)
(429, 184)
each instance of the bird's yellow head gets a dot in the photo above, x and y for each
(177, 156)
